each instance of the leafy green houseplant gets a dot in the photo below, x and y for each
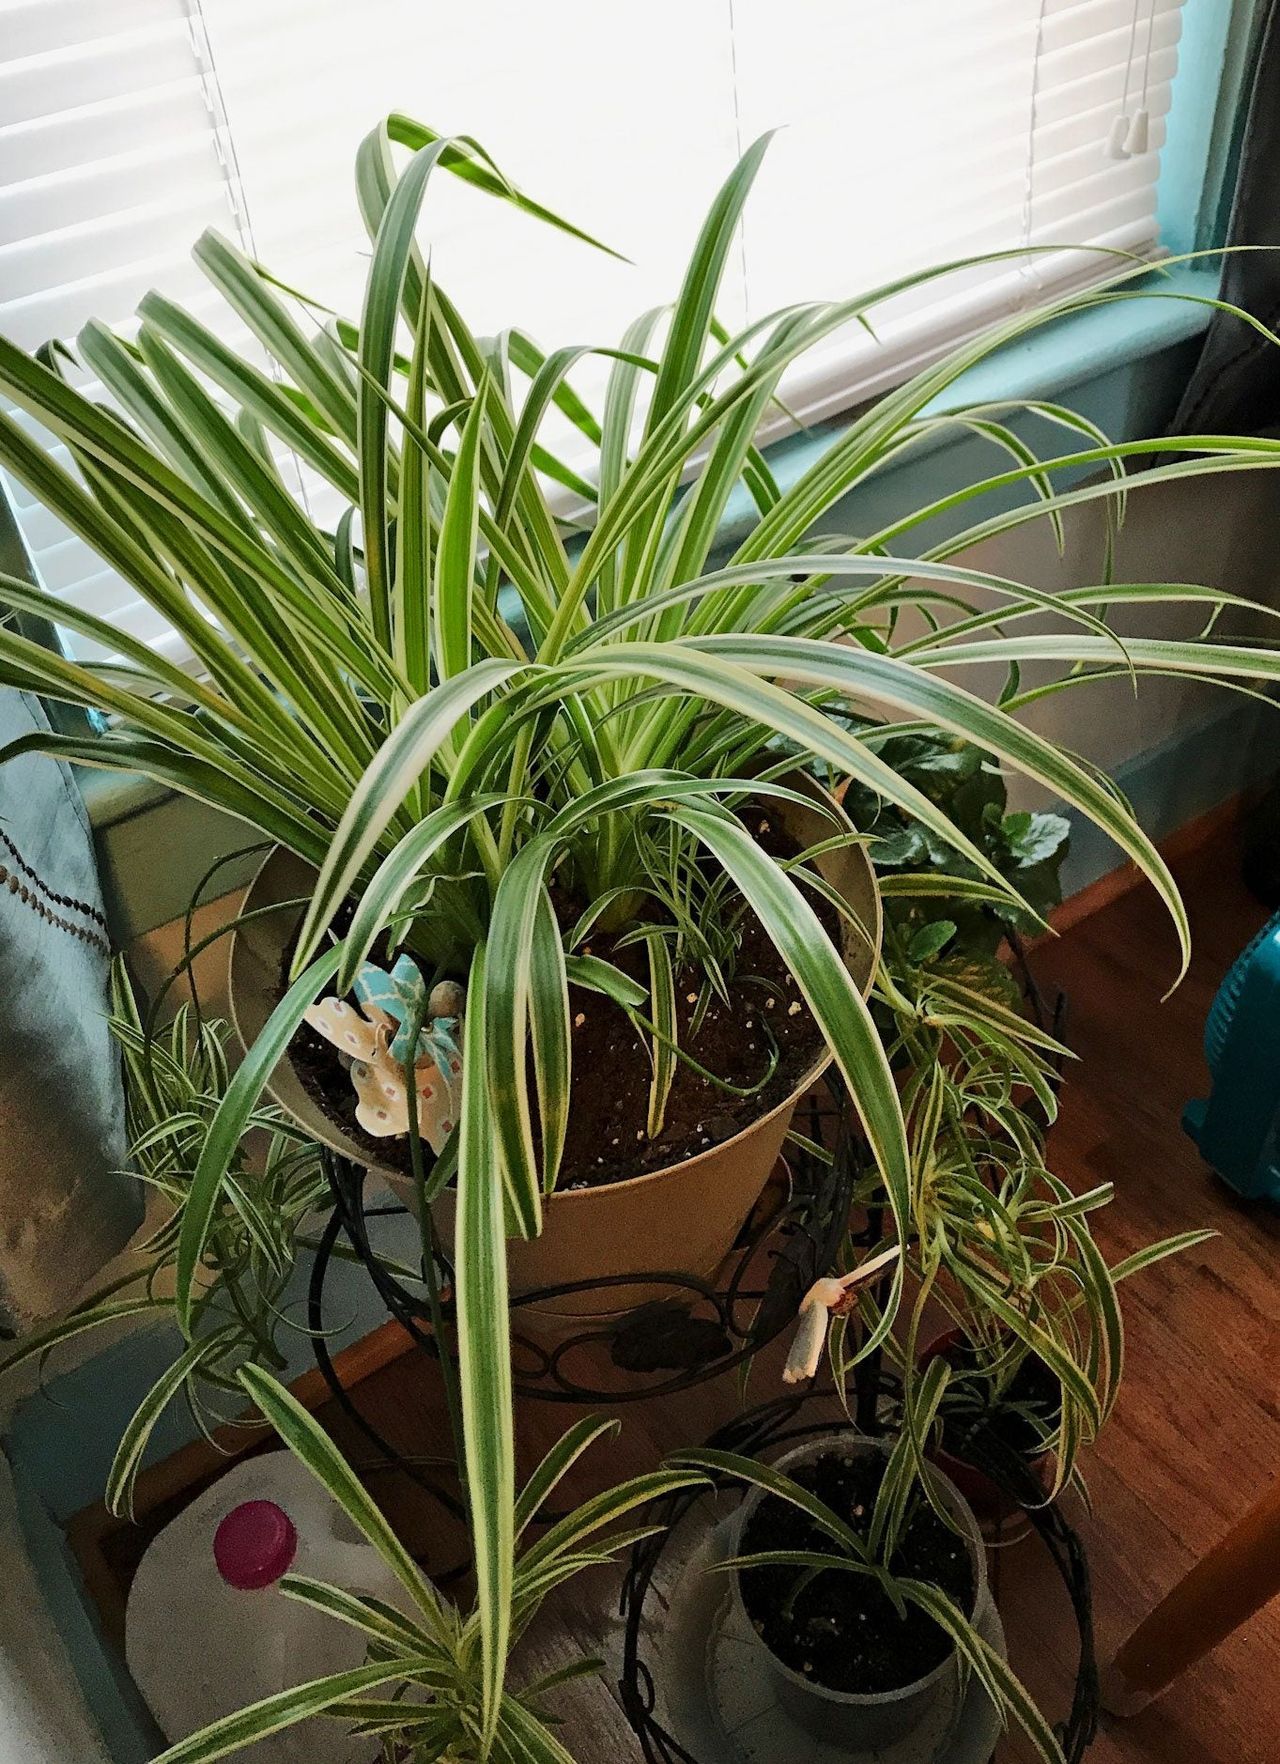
(545, 756)
(452, 713)
(1000, 1248)
(420, 1697)
(174, 1085)
(955, 932)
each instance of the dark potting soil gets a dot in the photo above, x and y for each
(609, 1096)
(841, 1629)
(1029, 1407)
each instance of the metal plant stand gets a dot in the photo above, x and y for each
(692, 1329)
(766, 1430)
(696, 1331)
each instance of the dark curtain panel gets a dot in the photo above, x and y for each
(1235, 388)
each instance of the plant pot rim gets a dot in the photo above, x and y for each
(317, 1123)
(842, 1440)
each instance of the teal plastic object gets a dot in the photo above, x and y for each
(1238, 1126)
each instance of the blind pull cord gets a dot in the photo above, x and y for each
(1130, 132)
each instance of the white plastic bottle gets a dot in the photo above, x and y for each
(207, 1631)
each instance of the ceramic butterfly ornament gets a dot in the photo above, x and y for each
(374, 1035)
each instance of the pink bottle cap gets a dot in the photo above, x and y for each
(254, 1545)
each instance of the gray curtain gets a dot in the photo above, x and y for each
(1235, 386)
(65, 1208)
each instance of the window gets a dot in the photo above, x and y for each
(908, 134)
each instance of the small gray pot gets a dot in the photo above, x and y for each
(870, 1722)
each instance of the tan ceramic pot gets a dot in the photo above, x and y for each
(680, 1219)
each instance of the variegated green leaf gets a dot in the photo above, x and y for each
(484, 1358)
(285, 1709)
(313, 1448)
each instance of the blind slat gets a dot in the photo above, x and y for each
(37, 27)
(69, 142)
(90, 194)
(911, 134)
(48, 85)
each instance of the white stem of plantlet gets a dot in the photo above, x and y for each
(832, 1296)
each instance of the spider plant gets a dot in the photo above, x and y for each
(459, 703)
(450, 701)
(869, 1546)
(1003, 1245)
(174, 1085)
(419, 1697)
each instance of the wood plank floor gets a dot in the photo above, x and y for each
(1196, 1436)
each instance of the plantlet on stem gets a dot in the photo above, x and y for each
(174, 1084)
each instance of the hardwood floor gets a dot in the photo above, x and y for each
(1196, 1435)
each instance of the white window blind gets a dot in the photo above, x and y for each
(909, 134)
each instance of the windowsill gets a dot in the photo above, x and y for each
(1070, 352)
(112, 797)
(130, 813)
